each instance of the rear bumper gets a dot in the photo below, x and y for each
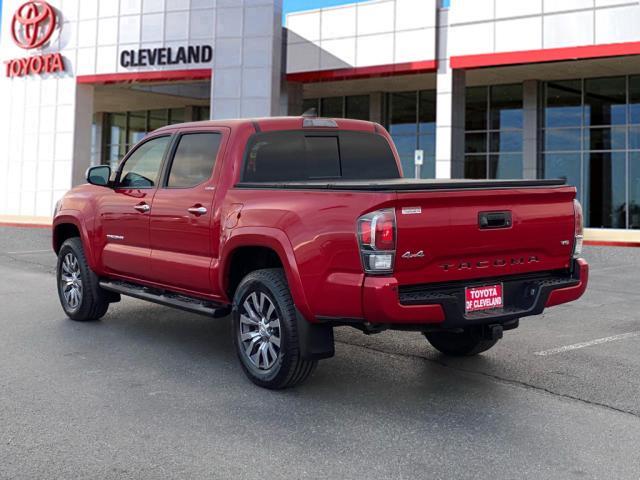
(442, 305)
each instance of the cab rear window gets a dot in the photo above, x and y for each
(294, 156)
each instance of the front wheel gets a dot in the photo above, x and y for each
(266, 333)
(80, 296)
(464, 344)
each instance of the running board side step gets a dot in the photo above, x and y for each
(167, 298)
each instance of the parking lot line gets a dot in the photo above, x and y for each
(597, 341)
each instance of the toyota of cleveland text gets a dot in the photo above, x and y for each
(293, 226)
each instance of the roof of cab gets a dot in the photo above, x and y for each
(272, 123)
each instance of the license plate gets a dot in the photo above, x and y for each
(483, 298)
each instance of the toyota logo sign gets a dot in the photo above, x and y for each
(31, 27)
(33, 24)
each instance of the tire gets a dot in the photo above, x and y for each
(89, 302)
(265, 331)
(465, 344)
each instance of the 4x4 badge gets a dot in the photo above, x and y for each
(419, 254)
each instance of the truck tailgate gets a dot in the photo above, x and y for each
(458, 235)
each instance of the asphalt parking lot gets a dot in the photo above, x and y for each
(151, 392)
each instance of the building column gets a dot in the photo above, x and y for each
(450, 106)
(530, 123)
(247, 64)
(83, 125)
(376, 107)
(291, 98)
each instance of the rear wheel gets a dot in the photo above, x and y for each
(265, 331)
(80, 296)
(464, 344)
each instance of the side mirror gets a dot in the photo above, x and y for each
(99, 175)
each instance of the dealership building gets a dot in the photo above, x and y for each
(476, 89)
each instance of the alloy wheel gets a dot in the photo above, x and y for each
(71, 281)
(259, 330)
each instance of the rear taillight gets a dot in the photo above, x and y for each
(579, 229)
(377, 241)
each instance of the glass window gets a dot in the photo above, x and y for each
(428, 144)
(137, 127)
(412, 124)
(476, 108)
(117, 128)
(158, 119)
(403, 113)
(605, 101)
(505, 165)
(113, 154)
(606, 204)
(331, 107)
(634, 190)
(142, 168)
(124, 130)
(427, 112)
(599, 153)
(357, 107)
(354, 106)
(605, 138)
(563, 104)
(634, 138)
(366, 156)
(501, 135)
(506, 141)
(177, 115)
(475, 166)
(301, 156)
(321, 156)
(634, 99)
(506, 107)
(194, 159)
(476, 142)
(309, 103)
(562, 139)
(563, 165)
(202, 113)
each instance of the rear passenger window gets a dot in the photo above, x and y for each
(194, 159)
(302, 155)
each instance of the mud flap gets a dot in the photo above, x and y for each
(316, 341)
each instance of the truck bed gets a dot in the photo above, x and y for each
(403, 185)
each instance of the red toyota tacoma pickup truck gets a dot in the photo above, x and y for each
(295, 226)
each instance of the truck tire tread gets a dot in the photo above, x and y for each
(293, 368)
(94, 299)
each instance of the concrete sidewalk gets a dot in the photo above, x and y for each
(25, 221)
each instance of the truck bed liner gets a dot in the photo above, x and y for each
(402, 184)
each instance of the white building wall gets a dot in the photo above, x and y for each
(45, 128)
(36, 149)
(379, 32)
(495, 26)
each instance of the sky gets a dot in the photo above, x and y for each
(298, 5)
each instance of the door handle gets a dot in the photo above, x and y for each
(142, 208)
(197, 210)
(488, 220)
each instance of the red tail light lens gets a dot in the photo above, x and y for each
(365, 232)
(377, 240)
(386, 234)
(579, 229)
